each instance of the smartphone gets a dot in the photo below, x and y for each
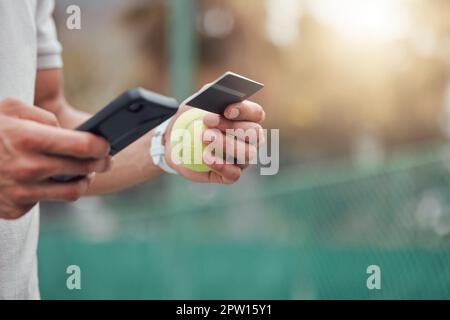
(230, 88)
(126, 119)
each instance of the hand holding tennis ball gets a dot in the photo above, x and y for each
(191, 157)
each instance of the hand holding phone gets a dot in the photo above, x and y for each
(126, 119)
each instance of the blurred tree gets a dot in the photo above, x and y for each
(322, 90)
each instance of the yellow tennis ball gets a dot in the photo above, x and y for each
(186, 140)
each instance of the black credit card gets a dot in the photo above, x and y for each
(229, 89)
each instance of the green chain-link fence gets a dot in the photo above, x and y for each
(308, 233)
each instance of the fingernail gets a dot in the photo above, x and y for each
(211, 120)
(233, 113)
(209, 136)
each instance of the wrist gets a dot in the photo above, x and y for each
(158, 147)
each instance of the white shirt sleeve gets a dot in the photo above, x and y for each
(48, 47)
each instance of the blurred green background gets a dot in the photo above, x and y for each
(360, 91)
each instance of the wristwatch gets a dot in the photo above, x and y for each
(158, 149)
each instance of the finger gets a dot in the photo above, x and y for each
(39, 115)
(76, 167)
(65, 142)
(243, 166)
(41, 167)
(250, 132)
(230, 147)
(218, 178)
(54, 191)
(18, 109)
(245, 111)
(204, 177)
(224, 173)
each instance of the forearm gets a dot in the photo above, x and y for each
(132, 166)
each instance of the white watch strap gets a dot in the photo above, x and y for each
(157, 148)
